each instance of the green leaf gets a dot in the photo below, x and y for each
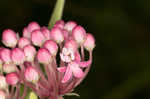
(57, 13)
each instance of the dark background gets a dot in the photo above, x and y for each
(121, 66)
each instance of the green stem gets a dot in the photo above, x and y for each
(57, 13)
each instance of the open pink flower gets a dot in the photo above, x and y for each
(71, 70)
(74, 67)
(67, 55)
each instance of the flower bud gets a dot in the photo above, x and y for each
(33, 26)
(46, 32)
(89, 43)
(17, 56)
(3, 83)
(26, 33)
(51, 46)
(23, 42)
(31, 74)
(9, 38)
(71, 44)
(5, 55)
(29, 52)
(57, 35)
(44, 56)
(65, 34)
(79, 34)
(2, 95)
(60, 24)
(8, 68)
(37, 38)
(12, 78)
(69, 26)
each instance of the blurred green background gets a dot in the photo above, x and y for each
(121, 65)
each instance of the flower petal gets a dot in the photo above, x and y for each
(61, 69)
(77, 71)
(77, 56)
(85, 63)
(68, 75)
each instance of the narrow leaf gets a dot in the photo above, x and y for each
(57, 13)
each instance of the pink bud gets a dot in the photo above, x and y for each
(12, 78)
(51, 46)
(79, 34)
(46, 32)
(33, 26)
(17, 56)
(23, 42)
(8, 68)
(44, 56)
(9, 38)
(37, 38)
(60, 24)
(26, 33)
(2, 95)
(29, 52)
(89, 43)
(69, 26)
(3, 83)
(57, 35)
(71, 44)
(5, 55)
(65, 34)
(31, 74)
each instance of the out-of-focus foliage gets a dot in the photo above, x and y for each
(121, 67)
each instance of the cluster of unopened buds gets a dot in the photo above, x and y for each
(51, 62)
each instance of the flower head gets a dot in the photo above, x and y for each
(18, 56)
(67, 55)
(31, 74)
(72, 69)
(44, 56)
(79, 34)
(29, 52)
(5, 55)
(46, 32)
(23, 42)
(12, 78)
(51, 46)
(8, 68)
(33, 26)
(59, 24)
(37, 38)
(57, 35)
(70, 25)
(9, 38)
(89, 43)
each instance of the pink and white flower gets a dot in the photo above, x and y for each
(74, 67)
(9, 38)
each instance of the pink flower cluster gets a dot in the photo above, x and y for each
(50, 62)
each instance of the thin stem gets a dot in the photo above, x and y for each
(48, 73)
(86, 71)
(45, 81)
(24, 92)
(17, 91)
(11, 92)
(57, 13)
(82, 52)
